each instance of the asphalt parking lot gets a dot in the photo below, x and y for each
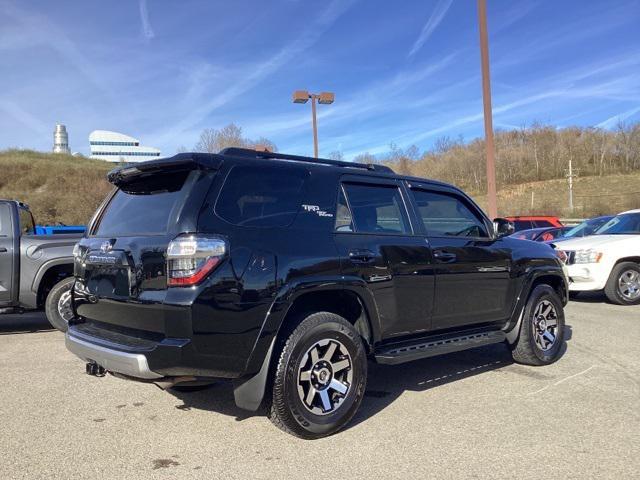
(468, 415)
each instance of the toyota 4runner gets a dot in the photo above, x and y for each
(287, 274)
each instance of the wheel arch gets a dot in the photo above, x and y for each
(49, 274)
(353, 302)
(633, 259)
(555, 281)
(341, 301)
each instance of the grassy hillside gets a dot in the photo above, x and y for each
(591, 196)
(62, 188)
(58, 188)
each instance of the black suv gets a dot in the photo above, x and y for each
(287, 274)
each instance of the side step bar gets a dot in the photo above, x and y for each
(392, 355)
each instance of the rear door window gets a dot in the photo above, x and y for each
(143, 207)
(262, 196)
(522, 224)
(377, 209)
(5, 220)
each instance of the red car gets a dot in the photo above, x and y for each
(534, 221)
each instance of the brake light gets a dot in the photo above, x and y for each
(191, 258)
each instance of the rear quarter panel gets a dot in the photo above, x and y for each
(38, 253)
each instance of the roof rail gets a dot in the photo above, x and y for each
(246, 152)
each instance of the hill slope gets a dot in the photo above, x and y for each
(67, 189)
(58, 188)
(592, 196)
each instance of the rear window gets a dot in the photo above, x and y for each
(262, 196)
(143, 207)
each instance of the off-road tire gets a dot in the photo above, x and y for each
(285, 407)
(525, 350)
(611, 289)
(51, 303)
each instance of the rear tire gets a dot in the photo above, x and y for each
(57, 305)
(320, 377)
(623, 286)
(541, 330)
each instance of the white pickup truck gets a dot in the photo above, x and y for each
(608, 260)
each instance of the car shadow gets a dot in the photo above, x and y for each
(588, 297)
(386, 383)
(29, 322)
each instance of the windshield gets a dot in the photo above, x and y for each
(588, 227)
(627, 224)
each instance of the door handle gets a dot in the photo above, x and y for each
(443, 256)
(3, 250)
(361, 256)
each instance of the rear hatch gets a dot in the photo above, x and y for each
(121, 266)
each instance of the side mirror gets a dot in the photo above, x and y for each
(503, 227)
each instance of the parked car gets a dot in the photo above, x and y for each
(36, 271)
(287, 273)
(535, 221)
(545, 234)
(588, 227)
(608, 260)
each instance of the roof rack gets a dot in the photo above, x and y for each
(246, 152)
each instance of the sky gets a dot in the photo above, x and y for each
(405, 72)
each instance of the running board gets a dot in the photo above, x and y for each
(393, 355)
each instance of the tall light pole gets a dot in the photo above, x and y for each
(324, 98)
(492, 202)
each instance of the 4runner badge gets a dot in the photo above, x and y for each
(316, 209)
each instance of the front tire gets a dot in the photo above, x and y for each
(623, 286)
(320, 377)
(542, 328)
(58, 304)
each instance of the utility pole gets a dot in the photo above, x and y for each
(492, 202)
(570, 176)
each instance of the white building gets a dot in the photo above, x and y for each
(116, 147)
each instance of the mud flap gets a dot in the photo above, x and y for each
(249, 391)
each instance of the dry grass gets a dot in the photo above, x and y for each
(67, 189)
(592, 196)
(58, 188)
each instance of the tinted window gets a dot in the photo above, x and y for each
(262, 196)
(543, 223)
(522, 225)
(447, 215)
(143, 207)
(26, 222)
(344, 221)
(5, 219)
(377, 209)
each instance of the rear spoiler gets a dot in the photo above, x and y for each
(182, 161)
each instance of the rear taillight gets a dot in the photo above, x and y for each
(190, 258)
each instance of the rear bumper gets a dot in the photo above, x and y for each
(130, 364)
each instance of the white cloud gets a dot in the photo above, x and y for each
(147, 31)
(616, 119)
(253, 74)
(434, 20)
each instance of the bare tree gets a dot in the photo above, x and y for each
(212, 140)
(336, 155)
